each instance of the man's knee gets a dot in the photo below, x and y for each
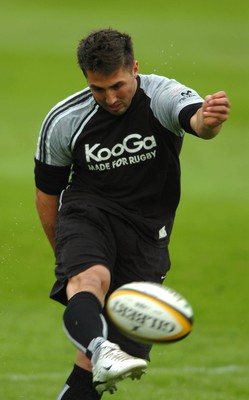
(95, 280)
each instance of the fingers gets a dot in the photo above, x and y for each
(217, 99)
(217, 106)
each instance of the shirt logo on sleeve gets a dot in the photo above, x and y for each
(186, 95)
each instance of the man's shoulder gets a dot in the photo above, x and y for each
(152, 84)
(151, 78)
(66, 119)
(76, 101)
(70, 111)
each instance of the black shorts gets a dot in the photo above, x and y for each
(90, 236)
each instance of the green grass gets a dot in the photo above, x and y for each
(204, 45)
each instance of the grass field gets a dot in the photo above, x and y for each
(204, 45)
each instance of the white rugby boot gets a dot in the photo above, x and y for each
(112, 365)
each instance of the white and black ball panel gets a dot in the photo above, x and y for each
(149, 312)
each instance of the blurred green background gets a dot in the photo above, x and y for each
(204, 45)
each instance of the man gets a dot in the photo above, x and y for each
(108, 184)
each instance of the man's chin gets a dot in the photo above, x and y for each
(117, 110)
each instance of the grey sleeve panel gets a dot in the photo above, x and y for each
(61, 128)
(53, 149)
(168, 98)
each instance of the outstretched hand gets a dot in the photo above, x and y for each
(208, 120)
(215, 109)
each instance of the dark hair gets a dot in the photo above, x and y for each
(105, 51)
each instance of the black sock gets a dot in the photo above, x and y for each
(79, 386)
(84, 321)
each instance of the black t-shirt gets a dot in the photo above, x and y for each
(127, 165)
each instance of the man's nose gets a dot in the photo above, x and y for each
(110, 97)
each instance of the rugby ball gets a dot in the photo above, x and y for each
(149, 312)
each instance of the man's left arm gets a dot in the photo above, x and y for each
(208, 119)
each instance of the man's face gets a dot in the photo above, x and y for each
(114, 92)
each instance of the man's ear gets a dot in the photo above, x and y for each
(135, 68)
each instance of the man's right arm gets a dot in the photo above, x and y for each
(47, 207)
